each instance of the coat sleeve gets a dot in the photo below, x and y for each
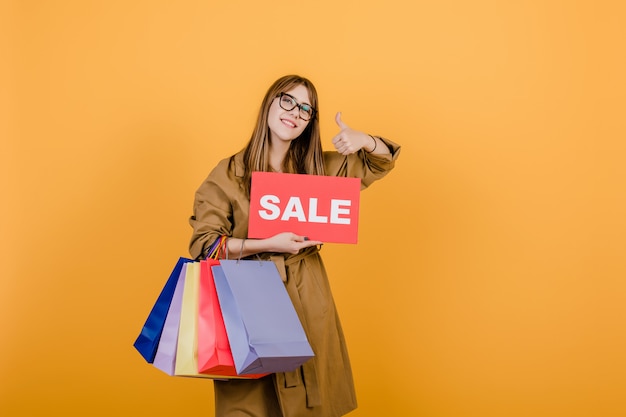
(212, 212)
(369, 167)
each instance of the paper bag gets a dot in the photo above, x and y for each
(148, 340)
(264, 331)
(165, 358)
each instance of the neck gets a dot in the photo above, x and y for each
(278, 150)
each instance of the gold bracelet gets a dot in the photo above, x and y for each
(375, 144)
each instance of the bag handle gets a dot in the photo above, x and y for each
(217, 248)
(220, 248)
(243, 241)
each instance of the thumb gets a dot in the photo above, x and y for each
(340, 123)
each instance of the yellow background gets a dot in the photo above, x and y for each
(489, 275)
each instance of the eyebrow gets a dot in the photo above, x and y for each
(298, 101)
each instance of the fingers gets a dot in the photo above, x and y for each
(297, 242)
(342, 141)
(340, 136)
(298, 238)
(339, 122)
(288, 242)
(343, 145)
(313, 242)
(306, 240)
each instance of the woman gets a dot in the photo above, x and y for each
(287, 139)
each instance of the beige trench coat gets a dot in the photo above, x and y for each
(323, 386)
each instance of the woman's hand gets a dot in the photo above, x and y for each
(288, 242)
(349, 141)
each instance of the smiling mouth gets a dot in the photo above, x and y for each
(288, 123)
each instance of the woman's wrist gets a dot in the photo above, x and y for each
(242, 248)
(243, 241)
(374, 146)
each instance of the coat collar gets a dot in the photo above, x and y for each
(239, 166)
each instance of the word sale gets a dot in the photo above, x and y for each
(295, 210)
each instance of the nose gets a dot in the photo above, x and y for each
(295, 112)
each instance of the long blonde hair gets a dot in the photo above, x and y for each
(305, 152)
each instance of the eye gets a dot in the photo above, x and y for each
(288, 101)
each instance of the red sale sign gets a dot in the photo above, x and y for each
(319, 207)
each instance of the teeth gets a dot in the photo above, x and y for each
(289, 123)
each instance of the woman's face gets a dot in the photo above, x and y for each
(286, 125)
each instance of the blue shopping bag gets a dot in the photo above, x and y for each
(263, 328)
(148, 340)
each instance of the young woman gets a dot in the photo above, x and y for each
(287, 139)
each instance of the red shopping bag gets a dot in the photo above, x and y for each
(214, 355)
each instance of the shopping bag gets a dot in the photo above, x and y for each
(213, 349)
(185, 319)
(165, 358)
(186, 354)
(148, 339)
(214, 355)
(186, 350)
(264, 331)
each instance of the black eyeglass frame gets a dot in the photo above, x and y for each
(298, 105)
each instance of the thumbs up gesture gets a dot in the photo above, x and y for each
(348, 140)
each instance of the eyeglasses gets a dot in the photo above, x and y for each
(288, 102)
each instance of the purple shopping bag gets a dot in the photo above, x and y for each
(264, 331)
(165, 358)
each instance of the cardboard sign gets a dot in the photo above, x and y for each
(319, 207)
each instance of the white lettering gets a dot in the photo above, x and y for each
(339, 210)
(313, 217)
(294, 209)
(272, 211)
(336, 209)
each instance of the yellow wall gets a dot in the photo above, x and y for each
(489, 279)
